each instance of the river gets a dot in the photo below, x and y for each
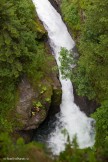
(70, 118)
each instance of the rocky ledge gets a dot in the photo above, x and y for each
(33, 105)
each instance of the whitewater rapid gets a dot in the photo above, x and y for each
(70, 118)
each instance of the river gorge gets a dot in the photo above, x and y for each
(70, 118)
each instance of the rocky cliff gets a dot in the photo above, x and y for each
(38, 92)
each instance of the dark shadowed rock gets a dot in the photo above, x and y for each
(86, 105)
(55, 4)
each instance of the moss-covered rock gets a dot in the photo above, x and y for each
(41, 32)
(38, 93)
(36, 85)
(33, 106)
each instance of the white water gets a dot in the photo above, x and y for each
(71, 118)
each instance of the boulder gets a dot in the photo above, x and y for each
(29, 115)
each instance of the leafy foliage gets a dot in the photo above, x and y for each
(90, 74)
(22, 52)
(70, 10)
(17, 35)
(21, 47)
(69, 70)
(93, 45)
(101, 117)
(67, 61)
(33, 152)
(74, 154)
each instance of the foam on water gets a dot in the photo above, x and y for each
(70, 118)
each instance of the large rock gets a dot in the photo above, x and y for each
(85, 105)
(29, 115)
(56, 4)
(57, 1)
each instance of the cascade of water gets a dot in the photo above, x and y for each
(70, 118)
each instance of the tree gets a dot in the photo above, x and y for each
(20, 35)
(90, 75)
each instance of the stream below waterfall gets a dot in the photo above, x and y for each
(70, 117)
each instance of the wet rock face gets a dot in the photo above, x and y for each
(57, 1)
(26, 95)
(86, 105)
(56, 4)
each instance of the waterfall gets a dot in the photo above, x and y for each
(70, 117)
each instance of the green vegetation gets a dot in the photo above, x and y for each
(43, 89)
(32, 152)
(70, 11)
(101, 117)
(37, 104)
(22, 52)
(90, 75)
(66, 58)
(47, 99)
(19, 37)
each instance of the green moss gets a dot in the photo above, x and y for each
(43, 89)
(37, 104)
(48, 100)
(41, 32)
